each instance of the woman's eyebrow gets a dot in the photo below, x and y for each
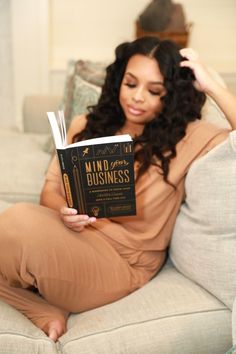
(156, 83)
(150, 82)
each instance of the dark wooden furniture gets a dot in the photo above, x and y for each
(181, 38)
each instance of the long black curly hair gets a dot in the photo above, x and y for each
(181, 104)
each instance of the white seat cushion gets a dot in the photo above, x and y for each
(170, 314)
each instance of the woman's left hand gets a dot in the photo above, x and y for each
(73, 220)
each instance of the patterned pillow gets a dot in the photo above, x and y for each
(90, 71)
(79, 95)
(84, 80)
(82, 89)
(232, 350)
(84, 95)
(203, 246)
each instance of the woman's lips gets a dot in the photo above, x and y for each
(135, 111)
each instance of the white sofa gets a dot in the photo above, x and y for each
(176, 312)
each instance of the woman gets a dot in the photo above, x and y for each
(75, 262)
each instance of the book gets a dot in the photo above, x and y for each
(98, 174)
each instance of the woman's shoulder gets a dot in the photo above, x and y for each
(203, 129)
(77, 124)
(204, 134)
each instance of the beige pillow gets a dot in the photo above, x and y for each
(203, 246)
(210, 111)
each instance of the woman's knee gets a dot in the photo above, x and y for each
(15, 211)
(22, 225)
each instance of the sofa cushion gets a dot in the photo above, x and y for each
(4, 205)
(211, 111)
(91, 71)
(234, 323)
(170, 314)
(212, 114)
(23, 164)
(203, 246)
(84, 95)
(18, 335)
(79, 95)
(34, 112)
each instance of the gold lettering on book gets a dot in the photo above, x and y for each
(68, 190)
(118, 163)
(96, 166)
(102, 172)
(108, 177)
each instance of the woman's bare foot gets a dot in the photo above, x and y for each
(55, 329)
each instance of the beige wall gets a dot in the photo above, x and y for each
(48, 33)
(214, 31)
(6, 81)
(91, 29)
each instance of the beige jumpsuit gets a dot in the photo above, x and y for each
(77, 271)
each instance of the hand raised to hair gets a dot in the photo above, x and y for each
(204, 81)
(75, 221)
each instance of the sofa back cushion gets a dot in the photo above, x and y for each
(203, 246)
(23, 165)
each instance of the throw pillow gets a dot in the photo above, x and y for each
(203, 246)
(211, 112)
(84, 95)
(232, 350)
(91, 71)
(79, 95)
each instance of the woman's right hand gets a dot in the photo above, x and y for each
(75, 221)
(204, 80)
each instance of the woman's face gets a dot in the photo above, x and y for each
(141, 90)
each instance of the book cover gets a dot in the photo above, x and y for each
(98, 174)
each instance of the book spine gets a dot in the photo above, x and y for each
(78, 184)
(66, 178)
(72, 180)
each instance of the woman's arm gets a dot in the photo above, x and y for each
(205, 83)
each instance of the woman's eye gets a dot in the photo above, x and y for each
(130, 85)
(154, 93)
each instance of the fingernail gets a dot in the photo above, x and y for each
(92, 219)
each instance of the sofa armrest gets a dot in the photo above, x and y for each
(34, 112)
